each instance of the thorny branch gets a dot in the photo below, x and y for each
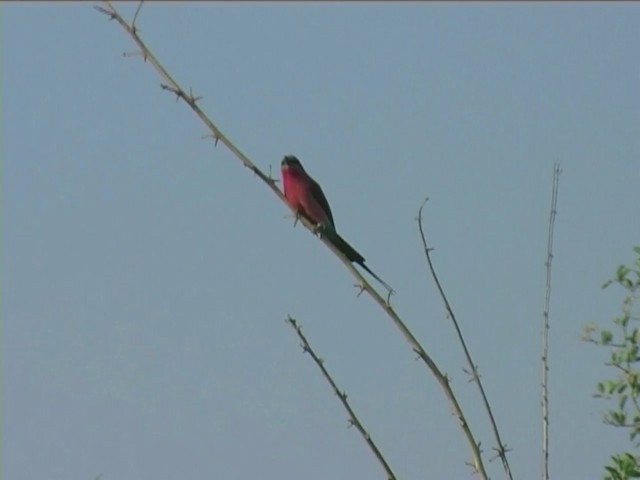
(545, 326)
(501, 449)
(353, 419)
(172, 85)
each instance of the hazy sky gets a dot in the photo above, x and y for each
(146, 275)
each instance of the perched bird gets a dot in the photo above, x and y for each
(306, 197)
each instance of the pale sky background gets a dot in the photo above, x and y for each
(146, 275)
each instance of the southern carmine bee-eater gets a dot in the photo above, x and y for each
(306, 197)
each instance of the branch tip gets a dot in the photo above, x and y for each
(135, 16)
(109, 13)
(422, 206)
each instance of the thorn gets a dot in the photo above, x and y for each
(274, 180)
(174, 90)
(360, 287)
(109, 13)
(212, 135)
(193, 99)
(133, 54)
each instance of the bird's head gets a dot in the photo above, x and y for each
(291, 162)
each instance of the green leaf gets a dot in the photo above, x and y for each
(618, 418)
(612, 386)
(622, 402)
(621, 272)
(605, 337)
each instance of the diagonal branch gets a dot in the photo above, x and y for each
(353, 419)
(171, 85)
(475, 376)
(545, 325)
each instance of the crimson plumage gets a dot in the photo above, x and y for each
(307, 198)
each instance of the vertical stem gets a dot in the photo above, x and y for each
(545, 326)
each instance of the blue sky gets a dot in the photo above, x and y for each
(146, 275)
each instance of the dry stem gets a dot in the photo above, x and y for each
(353, 419)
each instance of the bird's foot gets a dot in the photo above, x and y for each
(295, 216)
(318, 229)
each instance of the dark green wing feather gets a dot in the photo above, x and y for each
(319, 197)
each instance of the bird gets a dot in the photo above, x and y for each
(306, 198)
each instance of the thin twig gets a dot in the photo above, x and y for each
(501, 449)
(171, 85)
(353, 419)
(135, 16)
(545, 326)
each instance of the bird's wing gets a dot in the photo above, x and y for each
(319, 197)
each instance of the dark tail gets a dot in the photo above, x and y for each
(354, 256)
